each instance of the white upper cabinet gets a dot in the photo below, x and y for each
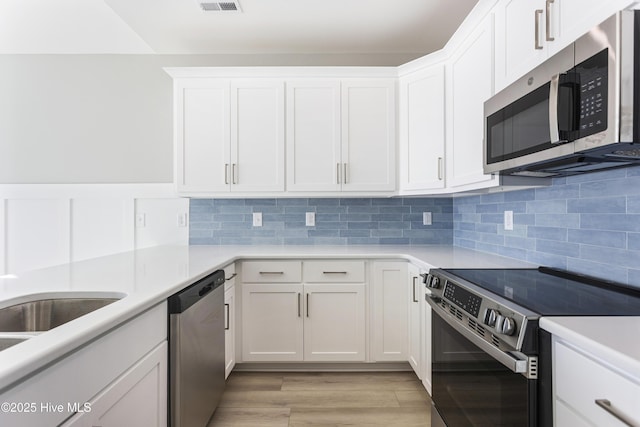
(528, 32)
(469, 85)
(313, 135)
(422, 130)
(229, 135)
(257, 135)
(202, 135)
(341, 135)
(368, 135)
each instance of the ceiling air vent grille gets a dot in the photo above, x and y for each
(220, 6)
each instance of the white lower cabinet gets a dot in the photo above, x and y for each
(230, 320)
(389, 311)
(334, 323)
(136, 398)
(120, 387)
(272, 322)
(320, 318)
(295, 322)
(416, 308)
(581, 380)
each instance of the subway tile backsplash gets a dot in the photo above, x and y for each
(339, 221)
(587, 223)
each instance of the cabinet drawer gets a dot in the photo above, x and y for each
(579, 381)
(272, 272)
(333, 271)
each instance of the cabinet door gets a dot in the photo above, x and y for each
(368, 135)
(416, 303)
(422, 130)
(313, 135)
(389, 331)
(516, 36)
(230, 330)
(257, 135)
(334, 323)
(471, 68)
(571, 19)
(272, 325)
(136, 398)
(202, 135)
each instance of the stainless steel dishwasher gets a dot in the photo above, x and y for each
(196, 351)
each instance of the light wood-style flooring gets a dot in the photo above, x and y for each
(267, 399)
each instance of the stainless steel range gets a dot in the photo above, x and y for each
(491, 364)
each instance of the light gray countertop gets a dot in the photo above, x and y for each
(148, 276)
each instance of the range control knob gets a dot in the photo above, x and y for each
(433, 282)
(505, 325)
(490, 316)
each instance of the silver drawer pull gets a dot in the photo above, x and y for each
(606, 405)
(334, 272)
(231, 277)
(271, 272)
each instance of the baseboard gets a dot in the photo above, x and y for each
(323, 367)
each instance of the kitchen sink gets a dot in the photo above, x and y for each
(6, 342)
(43, 314)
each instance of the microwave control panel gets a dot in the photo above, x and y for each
(593, 83)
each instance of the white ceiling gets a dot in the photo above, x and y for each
(263, 26)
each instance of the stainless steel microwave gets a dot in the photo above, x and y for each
(577, 112)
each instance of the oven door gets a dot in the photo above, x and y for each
(471, 388)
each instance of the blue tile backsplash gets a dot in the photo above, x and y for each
(587, 223)
(339, 221)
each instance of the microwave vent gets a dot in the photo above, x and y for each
(625, 154)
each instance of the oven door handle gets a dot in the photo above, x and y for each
(516, 362)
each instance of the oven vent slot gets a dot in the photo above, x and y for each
(495, 341)
(533, 368)
(474, 325)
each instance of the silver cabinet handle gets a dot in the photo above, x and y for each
(606, 405)
(537, 27)
(231, 277)
(233, 173)
(226, 328)
(548, 22)
(345, 176)
(334, 272)
(271, 272)
(298, 304)
(440, 168)
(307, 304)
(414, 289)
(226, 173)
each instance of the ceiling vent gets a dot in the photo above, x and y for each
(220, 6)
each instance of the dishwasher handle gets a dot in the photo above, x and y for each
(190, 295)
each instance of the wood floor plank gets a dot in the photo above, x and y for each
(351, 381)
(250, 417)
(272, 399)
(309, 399)
(405, 417)
(417, 398)
(254, 381)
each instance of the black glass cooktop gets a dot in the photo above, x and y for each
(551, 292)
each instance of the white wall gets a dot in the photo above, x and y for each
(44, 225)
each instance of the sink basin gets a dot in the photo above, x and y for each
(6, 342)
(45, 314)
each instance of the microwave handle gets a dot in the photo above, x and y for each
(553, 111)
